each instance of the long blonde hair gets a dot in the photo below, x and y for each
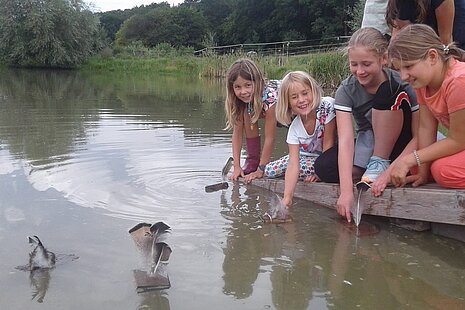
(283, 109)
(415, 41)
(234, 108)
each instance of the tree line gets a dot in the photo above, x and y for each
(197, 23)
(64, 33)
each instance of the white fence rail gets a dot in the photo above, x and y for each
(284, 48)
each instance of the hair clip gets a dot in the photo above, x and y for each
(446, 49)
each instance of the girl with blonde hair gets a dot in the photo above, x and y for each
(248, 98)
(312, 130)
(382, 107)
(437, 73)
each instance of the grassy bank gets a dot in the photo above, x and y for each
(328, 68)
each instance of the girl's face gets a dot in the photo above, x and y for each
(425, 72)
(243, 89)
(415, 72)
(300, 99)
(366, 66)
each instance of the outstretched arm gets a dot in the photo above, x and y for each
(236, 149)
(292, 174)
(346, 147)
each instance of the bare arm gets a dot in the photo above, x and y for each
(236, 149)
(454, 143)
(346, 147)
(292, 174)
(445, 17)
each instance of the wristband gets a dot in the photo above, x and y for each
(417, 158)
(261, 168)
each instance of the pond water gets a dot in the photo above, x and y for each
(83, 158)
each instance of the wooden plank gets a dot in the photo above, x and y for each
(429, 203)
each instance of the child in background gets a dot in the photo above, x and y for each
(382, 108)
(248, 98)
(312, 131)
(446, 17)
(437, 72)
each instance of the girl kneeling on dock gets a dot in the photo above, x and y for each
(437, 72)
(383, 109)
(312, 131)
(250, 97)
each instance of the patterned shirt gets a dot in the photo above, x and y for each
(270, 94)
(312, 143)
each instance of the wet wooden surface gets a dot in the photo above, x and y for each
(429, 203)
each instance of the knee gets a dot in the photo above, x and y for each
(447, 175)
(326, 170)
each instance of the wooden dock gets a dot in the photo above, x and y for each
(426, 207)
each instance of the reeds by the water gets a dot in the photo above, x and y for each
(328, 68)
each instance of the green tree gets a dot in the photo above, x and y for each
(111, 21)
(356, 15)
(178, 26)
(278, 20)
(47, 33)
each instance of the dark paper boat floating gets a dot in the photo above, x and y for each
(155, 252)
(41, 263)
(216, 187)
(224, 175)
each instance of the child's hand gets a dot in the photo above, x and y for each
(287, 202)
(311, 179)
(236, 174)
(254, 175)
(378, 186)
(417, 179)
(399, 174)
(343, 205)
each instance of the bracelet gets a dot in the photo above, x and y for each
(417, 158)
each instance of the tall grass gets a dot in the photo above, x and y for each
(328, 68)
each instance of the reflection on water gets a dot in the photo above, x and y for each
(83, 158)
(40, 281)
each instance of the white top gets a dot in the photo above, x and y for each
(312, 143)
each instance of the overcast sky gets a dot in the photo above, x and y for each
(108, 5)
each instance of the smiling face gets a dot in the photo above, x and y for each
(415, 72)
(300, 99)
(243, 89)
(367, 67)
(424, 72)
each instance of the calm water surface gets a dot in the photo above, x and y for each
(83, 158)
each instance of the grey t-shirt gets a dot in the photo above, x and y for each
(352, 97)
